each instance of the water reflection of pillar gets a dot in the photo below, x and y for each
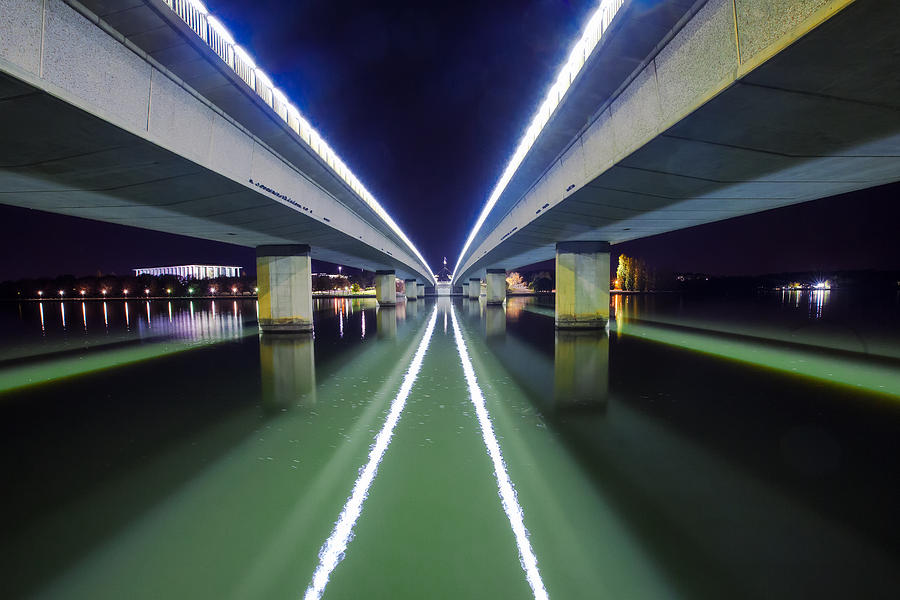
(412, 309)
(581, 369)
(494, 322)
(386, 322)
(473, 309)
(288, 370)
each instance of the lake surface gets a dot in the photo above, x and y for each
(701, 448)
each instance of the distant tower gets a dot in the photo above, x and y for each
(444, 274)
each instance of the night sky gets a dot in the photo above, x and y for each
(425, 102)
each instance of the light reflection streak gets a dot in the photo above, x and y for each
(105, 316)
(127, 320)
(507, 492)
(62, 312)
(84, 316)
(41, 309)
(148, 314)
(170, 312)
(363, 325)
(333, 549)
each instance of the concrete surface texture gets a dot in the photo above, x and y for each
(737, 107)
(137, 121)
(582, 285)
(284, 278)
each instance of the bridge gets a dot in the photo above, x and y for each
(670, 114)
(147, 113)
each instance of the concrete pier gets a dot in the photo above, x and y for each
(420, 290)
(582, 285)
(411, 288)
(386, 288)
(465, 287)
(496, 286)
(283, 275)
(474, 288)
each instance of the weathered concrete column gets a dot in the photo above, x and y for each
(420, 290)
(582, 285)
(288, 370)
(411, 288)
(386, 288)
(465, 287)
(496, 286)
(283, 275)
(474, 288)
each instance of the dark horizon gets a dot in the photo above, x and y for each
(821, 235)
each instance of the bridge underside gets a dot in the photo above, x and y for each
(820, 118)
(58, 158)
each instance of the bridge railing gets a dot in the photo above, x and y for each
(211, 31)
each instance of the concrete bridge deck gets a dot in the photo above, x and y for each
(688, 113)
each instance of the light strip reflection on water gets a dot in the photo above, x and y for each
(507, 492)
(333, 549)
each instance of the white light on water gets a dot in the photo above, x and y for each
(333, 549)
(507, 493)
(590, 37)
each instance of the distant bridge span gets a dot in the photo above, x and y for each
(146, 113)
(676, 113)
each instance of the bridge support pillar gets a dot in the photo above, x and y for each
(474, 288)
(582, 285)
(465, 287)
(496, 286)
(420, 290)
(283, 275)
(412, 289)
(386, 288)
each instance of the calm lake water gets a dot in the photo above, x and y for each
(702, 448)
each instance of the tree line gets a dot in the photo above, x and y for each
(633, 275)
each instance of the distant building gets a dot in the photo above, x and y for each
(192, 271)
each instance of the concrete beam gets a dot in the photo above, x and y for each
(582, 285)
(386, 287)
(283, 275)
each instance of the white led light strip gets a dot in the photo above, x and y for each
(590, 36)
(333, 549)
(507, 493)
(211, 30)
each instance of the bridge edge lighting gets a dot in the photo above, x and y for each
(217, 36)
(590, 37)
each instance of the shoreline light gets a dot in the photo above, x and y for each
(217, 37)
(335, 546)
(508, 499)
(590, 36)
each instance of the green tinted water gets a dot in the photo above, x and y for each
(181, 455)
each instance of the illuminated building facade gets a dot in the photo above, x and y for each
(192, 271)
